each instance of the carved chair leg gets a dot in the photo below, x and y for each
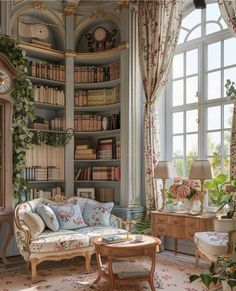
(197, 258)
(27, 265)
(34, 263)
(88, 261)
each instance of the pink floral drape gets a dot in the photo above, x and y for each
(158, 23)
(228, 12)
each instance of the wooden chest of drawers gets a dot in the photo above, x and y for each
(179, 226)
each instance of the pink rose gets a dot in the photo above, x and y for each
(229, 188)
(183, 191)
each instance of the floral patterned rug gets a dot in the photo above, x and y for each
(172, 273)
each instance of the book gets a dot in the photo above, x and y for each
(113, 239)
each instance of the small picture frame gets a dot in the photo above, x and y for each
(86, 193)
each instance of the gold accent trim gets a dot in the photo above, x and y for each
(39, 5)
(70, 8)
(70, 53)
(123, 4)
(97, 13)
(58, 198)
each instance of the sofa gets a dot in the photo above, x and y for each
(47, 244)
(212, 244)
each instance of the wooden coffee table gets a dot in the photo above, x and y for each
(130, 248)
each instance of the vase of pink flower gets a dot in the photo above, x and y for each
(185, 190)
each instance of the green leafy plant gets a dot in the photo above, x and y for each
(226, 271)
(230, 89)
(216, 189)
(142, 227)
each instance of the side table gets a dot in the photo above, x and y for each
(6, 218)
(130, 248)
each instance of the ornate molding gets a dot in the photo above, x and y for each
(39, 5)
(123, 4)
(70, 8)
(70, 53)
(97, 13)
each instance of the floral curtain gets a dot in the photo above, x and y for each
(228, 12)
(158, 24)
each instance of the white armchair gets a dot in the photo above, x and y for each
(221, 241)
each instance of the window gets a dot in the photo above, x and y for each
(198, 113)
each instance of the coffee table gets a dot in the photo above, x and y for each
(147, 248)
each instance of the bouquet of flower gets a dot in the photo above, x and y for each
(185, 189)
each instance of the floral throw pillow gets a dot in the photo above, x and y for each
(69, 216)
(48, 217)
(97, 213)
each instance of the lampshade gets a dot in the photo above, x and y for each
(201, 169)
(165, 170)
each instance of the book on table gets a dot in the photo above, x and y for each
(113, 239)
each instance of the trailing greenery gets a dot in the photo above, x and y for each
(230, 89)
(23, 111)
(142, 227)
(52, 139)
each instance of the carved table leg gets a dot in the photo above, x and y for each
(99, 263)
(88, 261)
(7, 241)
(176, 245)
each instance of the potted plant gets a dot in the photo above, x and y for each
(216, 189)
(226, 274)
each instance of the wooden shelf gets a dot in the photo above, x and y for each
(100, 58)
(44, 53)
(98, 161)
(98, 133)
(45, 181)
(49, 106)
(98, 181)
(107, 84)
(102, 108)
(47, 130)
(42, 81)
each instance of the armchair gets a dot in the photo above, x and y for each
(221, 241)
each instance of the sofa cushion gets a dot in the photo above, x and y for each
(97, 231)
(69, 216)
(212, 244)
(62, 240)
(96, 213)
(35, 223)
(48, 217)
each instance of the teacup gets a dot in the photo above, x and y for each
(139, 238)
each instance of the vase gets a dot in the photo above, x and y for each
(188, 204)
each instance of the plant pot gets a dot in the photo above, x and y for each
(188, 204)
(226, 286)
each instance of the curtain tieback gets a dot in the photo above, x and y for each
(149, 102)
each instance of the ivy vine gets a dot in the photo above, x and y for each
(24, 111)
(230, 89)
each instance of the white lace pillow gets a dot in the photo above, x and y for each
(48, 217)
(35, 223)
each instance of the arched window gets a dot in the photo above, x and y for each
(200, 121)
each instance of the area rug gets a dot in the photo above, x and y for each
(172, 274)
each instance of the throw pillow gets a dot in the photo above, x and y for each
(48, 217)
(35, 223)
(97, 213)
(69, 216)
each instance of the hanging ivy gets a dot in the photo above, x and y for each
(24, 111)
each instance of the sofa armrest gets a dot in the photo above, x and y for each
(119, 222)
(224, 225)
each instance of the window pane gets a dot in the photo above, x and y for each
(178, 66)
(229, 52)
(192, 62)
(226, 166)
(192, 19)
(191, 89)
(212, 12)
(214, 55)
(213, 118)
(178, 122)
(178, 146)
(178, 93)
(213, 143)
(222, 22)
(216, 164)
(212, 27)
(182, 35)
(195, 33)
(228, 115)
(191, 120)
(229, 74)
(192, 145)
(227, 139)
(179, 165)
(214, 85)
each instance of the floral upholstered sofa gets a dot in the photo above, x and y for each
(63, 242)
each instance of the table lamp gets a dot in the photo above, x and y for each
(201, 170)
(164, 170)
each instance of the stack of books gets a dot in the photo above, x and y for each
(113, 239)
(84, 152)
(105, 194)
(106, 149)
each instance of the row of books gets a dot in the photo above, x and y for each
(98, 174)
(95, 74)
(104, 194)
(49, 95)
(97, 97)
(47, 194)
(45, 70)
(57, 123)
(90, 122)
(41, 173)
(85, 152)
(46, 156)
